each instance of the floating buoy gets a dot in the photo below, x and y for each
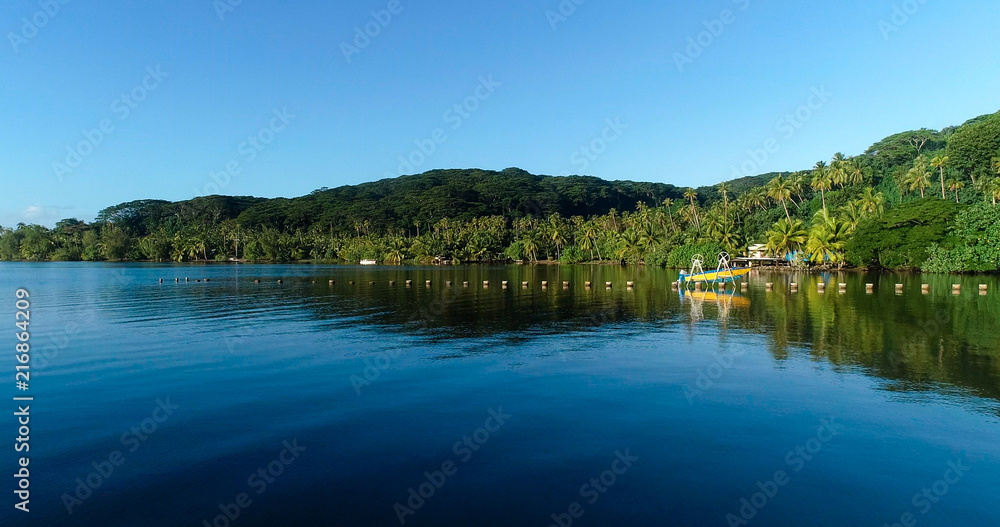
(186, 279)
(545, 283)
(351, 282)
(565, 285)
(177, 280)
(744, 286)
(256, 281)
(209, 280)
(956, 289)
(465, 284)
(629, 284)
(925, 289)
(504, 284)
(332, 282)
(899, 289)
(768, 286)
(698, 285)
(984, 288)
(392, 282)
(486, 283)
(843, 288)
(869, 288)
(371, 283)
(428, 283)
(161, 280)
(281, 281)
(675, 285)
(587, 285)
(607, 285)
(524, 285)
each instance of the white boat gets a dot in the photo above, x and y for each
(369, 262)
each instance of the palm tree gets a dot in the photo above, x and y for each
(918, 178)
(871, 202)
(779, 189)
(821, 180)
(855, 174)
(939, 162)
(724, 189)
(787, 236)
(851, 215)
(690, 194)
(955, 185)
(837, 173)
(669, 203)
(826, 239)
(798, 183)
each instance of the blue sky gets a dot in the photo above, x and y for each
(539, 90)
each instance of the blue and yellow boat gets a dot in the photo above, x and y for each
(717, 276)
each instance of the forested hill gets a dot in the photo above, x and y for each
(402, 202)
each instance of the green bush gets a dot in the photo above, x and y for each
(680, 257)
(572, 255)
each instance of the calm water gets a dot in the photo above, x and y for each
(504, 406)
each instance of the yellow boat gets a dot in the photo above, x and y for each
(728, 275)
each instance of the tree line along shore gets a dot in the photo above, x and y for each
(921, 199)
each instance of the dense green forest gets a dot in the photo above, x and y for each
(922, 199)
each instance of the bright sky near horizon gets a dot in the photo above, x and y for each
(112, 101)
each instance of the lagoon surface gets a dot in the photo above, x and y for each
(311, 404)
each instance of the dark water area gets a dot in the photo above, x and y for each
(307, 403)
